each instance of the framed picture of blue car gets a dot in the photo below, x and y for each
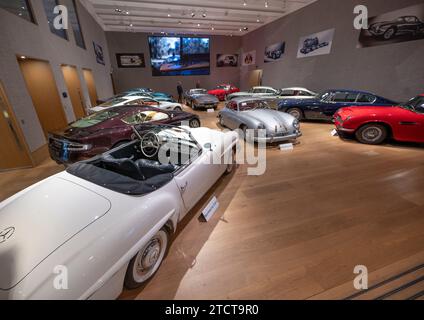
(316, 44)
(406, 24)
(130, 60)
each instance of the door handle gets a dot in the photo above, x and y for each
(184, 188)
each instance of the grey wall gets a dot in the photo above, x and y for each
(394, 71)
(122, 42)
(20, 37)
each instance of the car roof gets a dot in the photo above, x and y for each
(351, 91)
(296, 88)
(243, 99)
(263, 87)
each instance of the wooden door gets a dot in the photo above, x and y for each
(91, 85)
(42, 88)
(255, 78)
(13, 151)
(73, 85)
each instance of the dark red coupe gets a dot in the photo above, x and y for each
(223, 90)
(105, 130)
(373, 125)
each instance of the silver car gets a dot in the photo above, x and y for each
(255, 114)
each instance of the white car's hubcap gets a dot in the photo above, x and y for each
(149, 259)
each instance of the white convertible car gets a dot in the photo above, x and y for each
(107, 221)
(136, 100)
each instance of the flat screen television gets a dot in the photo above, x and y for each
(179, 56)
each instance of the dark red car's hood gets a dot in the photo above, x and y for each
(372, 111)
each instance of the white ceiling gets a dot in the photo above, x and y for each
(220, 17)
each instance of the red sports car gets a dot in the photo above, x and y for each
(373, 125)
(223, 90)
(105, 130)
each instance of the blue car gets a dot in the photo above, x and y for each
(325, 105)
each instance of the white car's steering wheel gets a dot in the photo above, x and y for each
(150, 145)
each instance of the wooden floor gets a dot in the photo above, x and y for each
(298, 231)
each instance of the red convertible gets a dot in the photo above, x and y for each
(108, 129)
(373, 125)
(223, 90)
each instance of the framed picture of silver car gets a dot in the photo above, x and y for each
(130, 60)
(406, 24)
(227, 60)
(316, 44)
(274, 52)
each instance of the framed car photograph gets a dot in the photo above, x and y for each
(98, 50)
(316, 44)
(130, 60)
(274, 52)
(406, 24)
(227, 60)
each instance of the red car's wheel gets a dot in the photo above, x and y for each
(372, 133)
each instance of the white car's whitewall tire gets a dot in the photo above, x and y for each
(147, 261)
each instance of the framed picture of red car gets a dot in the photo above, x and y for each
(406, 24)
(130, 60)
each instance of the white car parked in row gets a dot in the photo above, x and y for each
(106, 223)
(136, 100)
(269, 92)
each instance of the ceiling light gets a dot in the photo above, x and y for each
(244, 3)
(118, 10)
(204, 15)
(193, 14)
(169, 15)
(266, 4)
(23, 57)
(131, 25)
(212, 28)
(245, 29)
(127, 12)
(179, 22)
(198, 24)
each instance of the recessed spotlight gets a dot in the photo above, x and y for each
(212, 28)
(204, 15)
(266, 4)
(127, 12)
(169, 15)
(179, 22)
(193, 14)
(244, 3)
(23, 57)
(118, 10)
(245, 29)
(198, 24)
(131, 25)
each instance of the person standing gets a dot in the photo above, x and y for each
(180, 91)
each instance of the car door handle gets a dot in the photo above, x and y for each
(184, 188)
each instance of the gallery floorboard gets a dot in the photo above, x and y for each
(299, 230)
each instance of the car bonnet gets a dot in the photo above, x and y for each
(39, 221)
